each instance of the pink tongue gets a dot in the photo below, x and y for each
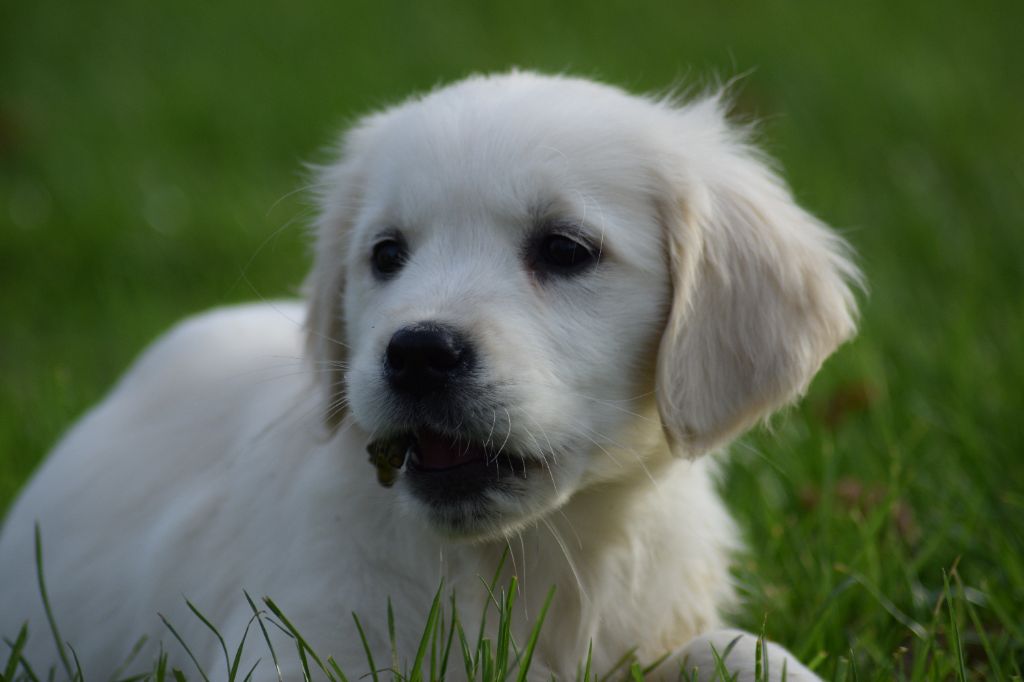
(437, 451)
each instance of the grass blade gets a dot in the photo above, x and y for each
(266, 637)
(48, 609)
(79, 677)
(248, 675)
(467, 655)
(25, 666)
(16, 648)
(590, 660)
(448, 645)
(215, 631)
(624, 661)
(954, 631)
(136, 648)
(501, 654)
(986, 644)
(653, 666)
(366, 647)
(337, 669)
(487, 605)
(434, 644)
(394, 641)
(160, 674)
(760, 657)
(304, 662)
(840, 675)
(233, 670)
(415, 674)
(136, 678)
(188, 651)
(302, 644)
(720, 669)
(531, 644)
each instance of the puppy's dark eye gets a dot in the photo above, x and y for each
(388, 257)
(561, 255)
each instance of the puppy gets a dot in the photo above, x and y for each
(540, 302)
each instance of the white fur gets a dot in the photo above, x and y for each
(232, 455)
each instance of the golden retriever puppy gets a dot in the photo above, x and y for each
(541, 303)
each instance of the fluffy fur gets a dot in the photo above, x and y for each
(233, 454)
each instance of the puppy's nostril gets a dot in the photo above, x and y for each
(441, 357)
(395, 358)
(424, 358)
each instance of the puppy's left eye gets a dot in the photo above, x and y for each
(561, 255)
(388, 257)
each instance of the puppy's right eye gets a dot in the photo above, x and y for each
(388, 257)
(556, 254)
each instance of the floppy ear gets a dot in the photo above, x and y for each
(338, 193)
(761, 292)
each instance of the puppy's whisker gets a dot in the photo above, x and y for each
(572, 527)
(338, 403)
(584, 597)
(494, 421)
(301, 325)
(291, 416)
(544, 460)
(551, 450)
(243, 274)
(329, 339)
(336, 406)
(301, 189)
(630, 450)
(508, 434)
(522, 549)
(564, 389)
(610, 456)
(760, 454)
(339, 364)
(296, 361)
(515, 569)
(614, 404)
(296, 373)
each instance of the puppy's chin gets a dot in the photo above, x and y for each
(492, 515)
(473, 491)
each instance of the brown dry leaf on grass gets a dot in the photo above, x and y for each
(854, 495)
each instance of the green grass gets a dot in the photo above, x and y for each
(149, 151)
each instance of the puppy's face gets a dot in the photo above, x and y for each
(504, 298)
(503, 261)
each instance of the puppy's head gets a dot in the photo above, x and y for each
(532, 284)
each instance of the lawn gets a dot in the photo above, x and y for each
(150, 155)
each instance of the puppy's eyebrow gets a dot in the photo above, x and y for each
(551, 210)
(389, 232)
(570, 227)
(559, 215)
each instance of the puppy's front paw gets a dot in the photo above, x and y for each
(737, 652)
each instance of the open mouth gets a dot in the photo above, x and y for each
(430, 450)
(458, 463)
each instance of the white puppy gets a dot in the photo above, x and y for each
(539, 300)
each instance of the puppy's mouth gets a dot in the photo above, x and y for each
(433, 451)
(428, 450)
(444, 467)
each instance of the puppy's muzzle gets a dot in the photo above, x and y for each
(427, 359)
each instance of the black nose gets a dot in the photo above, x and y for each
(425, 358)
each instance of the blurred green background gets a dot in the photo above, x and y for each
(150, 153)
